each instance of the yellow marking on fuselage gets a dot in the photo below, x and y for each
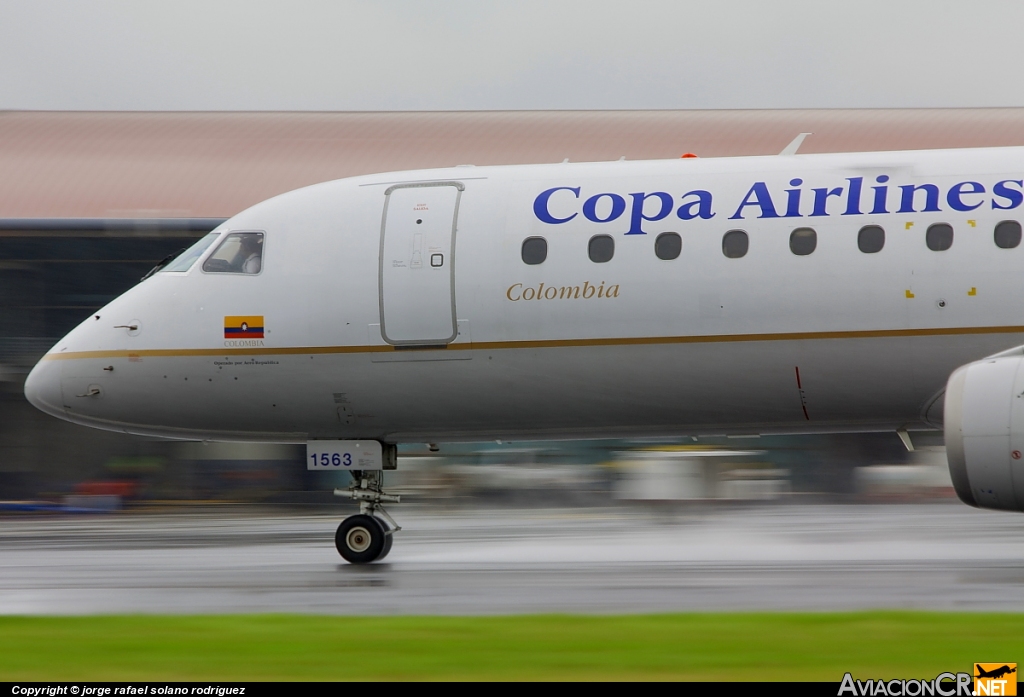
(551, 343)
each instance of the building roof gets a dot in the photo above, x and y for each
(193, 165)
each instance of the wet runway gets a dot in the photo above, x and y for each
(768, 557)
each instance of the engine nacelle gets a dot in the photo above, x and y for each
(984, 424)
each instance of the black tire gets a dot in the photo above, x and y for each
(360, 539)
(389, 537)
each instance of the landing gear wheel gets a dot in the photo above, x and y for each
(389, 537)
(368, 536)
(360, 539)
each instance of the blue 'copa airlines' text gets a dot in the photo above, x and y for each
(561, 204)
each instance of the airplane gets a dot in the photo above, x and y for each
(795, 293)
(995, 672)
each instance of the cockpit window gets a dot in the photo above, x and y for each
(184, 261)
(240, 252)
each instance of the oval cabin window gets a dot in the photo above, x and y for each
(535, 250)
(601, 248)
(939, 237)
(871, 239)
(735, 244)
(1007, 234)
(668, 245)
(803, 241)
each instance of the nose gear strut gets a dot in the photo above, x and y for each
(366, 537)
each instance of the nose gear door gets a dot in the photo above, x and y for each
(417, 263)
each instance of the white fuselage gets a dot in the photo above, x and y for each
(375, 328)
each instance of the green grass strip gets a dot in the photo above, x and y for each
(723, 646)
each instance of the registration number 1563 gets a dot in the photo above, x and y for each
(343, 455)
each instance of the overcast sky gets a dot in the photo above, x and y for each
(493, 54)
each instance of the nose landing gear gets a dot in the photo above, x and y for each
(366, 537)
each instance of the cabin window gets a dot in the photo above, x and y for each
(1007, 234)
(803, 241)
(184, 261)
(735, 244)
(939, 237)
(871, 239)
(601, 248)
(535, 250)
(239, 252)
(668, 245)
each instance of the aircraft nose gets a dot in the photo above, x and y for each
(42, 388)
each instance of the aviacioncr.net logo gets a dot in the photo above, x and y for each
(942, 685)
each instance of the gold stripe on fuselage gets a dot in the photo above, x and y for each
(553, 343)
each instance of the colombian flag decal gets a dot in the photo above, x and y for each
(247, 327)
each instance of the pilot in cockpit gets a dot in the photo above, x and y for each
(250, 253)
(239, 252)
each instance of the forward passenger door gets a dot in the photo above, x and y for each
(417, 264)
